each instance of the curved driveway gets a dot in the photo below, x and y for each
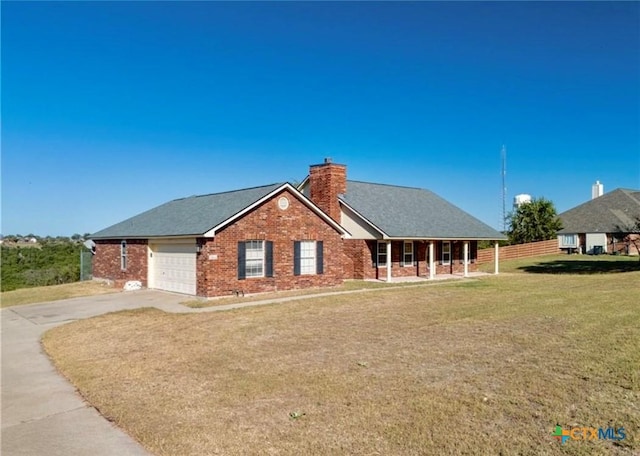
(41, 412)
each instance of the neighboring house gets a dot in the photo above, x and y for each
(279, 237)
(594, 226)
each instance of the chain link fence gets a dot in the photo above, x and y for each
(86, 265)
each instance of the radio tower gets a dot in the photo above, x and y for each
(503, 154)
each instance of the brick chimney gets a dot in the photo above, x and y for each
(326, 182)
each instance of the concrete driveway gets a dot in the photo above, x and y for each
(41, 412)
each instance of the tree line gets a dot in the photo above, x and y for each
(47, 262)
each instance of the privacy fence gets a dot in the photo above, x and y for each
(512, 252)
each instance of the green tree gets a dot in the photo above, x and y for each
(534, 221)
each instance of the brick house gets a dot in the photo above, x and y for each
(280, 237)
(597, 225)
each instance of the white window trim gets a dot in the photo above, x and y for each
(404, 254)
(574, 239)
(447, 252)
(308, 262)
(379, 254)
(258, 258)
(123, 255)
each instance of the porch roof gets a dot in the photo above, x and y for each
(413, 213)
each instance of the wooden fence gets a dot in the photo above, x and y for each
(512, 252)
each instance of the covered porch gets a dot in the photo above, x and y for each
(413, 259)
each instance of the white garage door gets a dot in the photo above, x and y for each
(174, 268)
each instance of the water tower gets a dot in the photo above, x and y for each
(521, 199)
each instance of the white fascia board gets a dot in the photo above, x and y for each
(464, 239)
(174, 240)
(286, 186)
(149, 238)
(302, 184)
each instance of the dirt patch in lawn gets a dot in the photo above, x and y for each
(483, 367)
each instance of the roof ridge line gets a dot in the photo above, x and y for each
(229, 191)
(388, 185)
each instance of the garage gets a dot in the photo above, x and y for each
(173, 268)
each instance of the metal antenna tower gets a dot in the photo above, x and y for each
(503, 154)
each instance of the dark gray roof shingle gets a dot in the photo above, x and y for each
(405, 212)
(603, 214)
(194, 215)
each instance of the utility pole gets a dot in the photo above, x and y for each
(503, 154)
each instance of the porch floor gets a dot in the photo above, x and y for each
(427, 279)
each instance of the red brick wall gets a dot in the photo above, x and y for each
(326, 182)
(106, 262)
(217, 277)
(456, 265)
(512, 252)
(624, 247)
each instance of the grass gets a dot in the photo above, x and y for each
(53, 293)
(349, 285)
(486, 366)
(567, 264)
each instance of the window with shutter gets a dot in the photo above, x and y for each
(251, 259)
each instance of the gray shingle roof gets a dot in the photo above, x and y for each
(194, 215)
(603, 214)
(405, 212)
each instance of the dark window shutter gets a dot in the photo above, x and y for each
(373, 249)
(268, 258)
(319, 257)
(242, 274)
(296, 258)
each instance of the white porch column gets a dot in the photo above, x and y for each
(496, 258)
(388, 261)
(465, 250)
(432, 263)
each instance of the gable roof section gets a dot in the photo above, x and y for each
(604, 214)
(200, 215)
(406, 212)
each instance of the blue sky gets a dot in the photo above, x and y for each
(111, 108)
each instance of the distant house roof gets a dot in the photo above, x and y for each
(198, 215)
(405, 212)
(604, 214)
